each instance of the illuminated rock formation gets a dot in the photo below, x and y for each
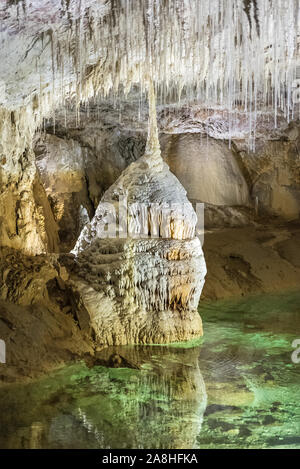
(143, 285)
(26, 219)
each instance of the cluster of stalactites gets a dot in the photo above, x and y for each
(231, 53)
(238, 54)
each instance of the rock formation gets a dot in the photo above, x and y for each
(207, 169)
(26, 219)
(73, 117)
(273, 172)
(142, 284)
(77, 165)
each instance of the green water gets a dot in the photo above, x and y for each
(235, 388)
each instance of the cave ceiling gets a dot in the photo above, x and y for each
(237, 56)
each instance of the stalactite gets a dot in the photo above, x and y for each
(240, 55)
(153, 146)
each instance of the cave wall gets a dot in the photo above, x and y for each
(51, 189)
(207, 169)
(61, 165)
(273, 173)
(78, 166)
(49, 193)
(26, 219)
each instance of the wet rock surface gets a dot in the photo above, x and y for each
(60, 157)
(37, 319)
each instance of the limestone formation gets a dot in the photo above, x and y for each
(207, 168)
(142, 284)
(26, 219)
(274, 173)
(78, 166)
(73, 117)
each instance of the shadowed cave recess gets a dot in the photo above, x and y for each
(169, 105)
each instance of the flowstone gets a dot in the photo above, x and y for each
(140, 268)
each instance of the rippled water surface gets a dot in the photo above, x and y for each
(235, 388)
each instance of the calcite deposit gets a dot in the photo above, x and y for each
(140, 275)
(26, 219)
(73, 117)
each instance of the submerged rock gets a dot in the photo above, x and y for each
(142, 283)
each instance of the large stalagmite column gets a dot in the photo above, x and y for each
(140, 268)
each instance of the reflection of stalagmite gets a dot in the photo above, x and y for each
(142, 284)
(161, 406)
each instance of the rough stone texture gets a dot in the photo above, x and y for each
(26, 220)
(225, 216)
(45, 322)
(37, 320)
(52, 60)
(206, 168)
(78, 167)
(143, 290)
(251, 260)
(108, 149)
(61, 165)
(23, 278)
(273, 172)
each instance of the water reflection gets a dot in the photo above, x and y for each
(158, 402)
(157, 397)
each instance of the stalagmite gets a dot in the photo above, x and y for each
(140, 268)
